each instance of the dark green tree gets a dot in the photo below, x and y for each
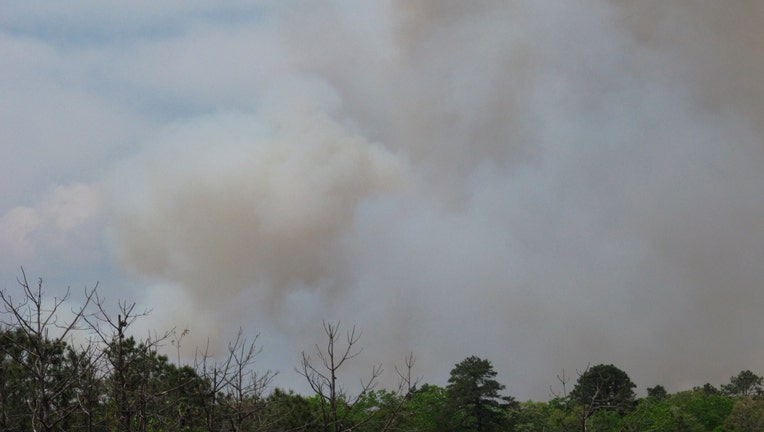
(473, 402)
(709, 389)
(658, 392)
(707, 410)
(153, 394)
(287, 411)
(532, 416)
(604, 387)
(15, 381)
(378, 410)
(746, 383)
(425, 407)
(651, 414)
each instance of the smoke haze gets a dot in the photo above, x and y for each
(544, 184)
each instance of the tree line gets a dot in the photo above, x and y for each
(78, 369)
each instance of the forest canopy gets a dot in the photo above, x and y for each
(80, 370)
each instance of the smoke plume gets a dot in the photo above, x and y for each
(544, 184)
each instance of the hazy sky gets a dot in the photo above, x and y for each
(544, 184)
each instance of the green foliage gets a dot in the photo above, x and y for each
(285, 411)
(744, 384)
(145, 390)
(425, 408)
(41, 373)
(747, 415)
(15, 382)
(651, 414)
(708, 389)
(531, 416)
(604, 387)
(697, 406)
(563, 417)
(163, 396)
(473, 402)
(376, 411)
(127, 385)
(665, 415)
(605, 421)
(658, 392)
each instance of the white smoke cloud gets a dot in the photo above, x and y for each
(540, 183)
(15, 229)
(62, 221)
(232, 201)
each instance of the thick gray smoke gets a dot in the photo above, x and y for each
(544, 184)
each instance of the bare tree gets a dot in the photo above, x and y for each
(111, 332)
(590, 404)
(586, 410)
(45, 345)
(323, 377)
(215, 374)
(405, 384)
(244, 384)
(603, 387)
(130, 363)
(234, 377)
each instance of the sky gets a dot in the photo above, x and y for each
(544, 184)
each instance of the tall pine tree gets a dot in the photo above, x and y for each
(473, 402)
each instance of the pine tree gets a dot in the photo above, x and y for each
(473, 402)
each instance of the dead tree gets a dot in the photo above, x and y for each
(111, 332)
(214, 373)
(244, 384)
(45, 344)
(405, 384)
(323, 378)
(234, 377)
(129, 363)
(584, 409)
